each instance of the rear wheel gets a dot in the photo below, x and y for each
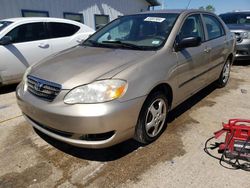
(152, 119)
(225, 74)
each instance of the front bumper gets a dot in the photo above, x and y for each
(81, 124)
(243, 50)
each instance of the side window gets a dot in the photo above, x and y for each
(214, 27)
(192, 27)
(28, 32)
(58, 30)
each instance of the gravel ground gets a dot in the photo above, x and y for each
(176, 159)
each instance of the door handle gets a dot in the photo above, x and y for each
(43, 45)
(207, 50)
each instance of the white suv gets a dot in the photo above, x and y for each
(25, 41)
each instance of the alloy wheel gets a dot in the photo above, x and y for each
(155, 118)
(226, 72)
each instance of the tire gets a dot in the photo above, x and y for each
(152, 119)
(225, 74)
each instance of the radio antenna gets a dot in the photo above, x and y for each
(188, 4)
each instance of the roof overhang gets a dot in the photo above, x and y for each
(154, 2)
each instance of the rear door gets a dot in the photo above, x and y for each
(29, 46)
(191, 61)
(216, 46)
(63, 35)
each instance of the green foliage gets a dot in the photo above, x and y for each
(209, 8)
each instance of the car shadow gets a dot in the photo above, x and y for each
(190, 102)
(124, 148)
(8, 89)
(102, 155)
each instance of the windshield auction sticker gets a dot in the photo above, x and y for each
(154, 19)
(155, 42)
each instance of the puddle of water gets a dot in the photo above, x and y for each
(35, 174)
(63, 162)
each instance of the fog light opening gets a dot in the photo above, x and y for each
(97, 137)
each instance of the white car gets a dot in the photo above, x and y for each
(25, 41)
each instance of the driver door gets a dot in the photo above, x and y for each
(192, 61)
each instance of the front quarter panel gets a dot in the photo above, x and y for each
(144, 76)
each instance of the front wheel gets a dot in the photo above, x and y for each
(225, 74)
(152, 119)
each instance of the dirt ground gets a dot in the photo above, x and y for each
(176, 159)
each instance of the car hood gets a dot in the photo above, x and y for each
(244, 27)
(82, 65)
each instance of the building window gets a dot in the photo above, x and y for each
(73, 16)
(34, 13)
(100, 21)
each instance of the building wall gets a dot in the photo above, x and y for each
(113, 8)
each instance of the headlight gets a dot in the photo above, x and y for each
(25, 80)
(97, 92)
(246, 35)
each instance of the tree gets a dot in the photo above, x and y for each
(209, 8)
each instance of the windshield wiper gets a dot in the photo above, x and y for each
(93, 43)
(124, 44)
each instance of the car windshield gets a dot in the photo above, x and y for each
(139, 32)
(4, 24)
(236, 18)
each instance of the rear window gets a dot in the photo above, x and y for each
(58, 30)
(4, 24)
(236, 18)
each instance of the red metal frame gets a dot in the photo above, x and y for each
(236, 129)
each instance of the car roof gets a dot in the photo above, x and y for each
(237, 12)
(22, 20)
(177, 11)
(26, 19)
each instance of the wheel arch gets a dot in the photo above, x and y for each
(166, 89)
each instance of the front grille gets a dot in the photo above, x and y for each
(43, 89)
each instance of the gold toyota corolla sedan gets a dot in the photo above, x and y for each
(123, 80)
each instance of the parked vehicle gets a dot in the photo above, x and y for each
(25, 41)
(239, 23)
(124, 79)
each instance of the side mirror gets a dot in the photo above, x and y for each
(187, 43)
(6, 40)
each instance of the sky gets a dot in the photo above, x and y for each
(221, 6)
